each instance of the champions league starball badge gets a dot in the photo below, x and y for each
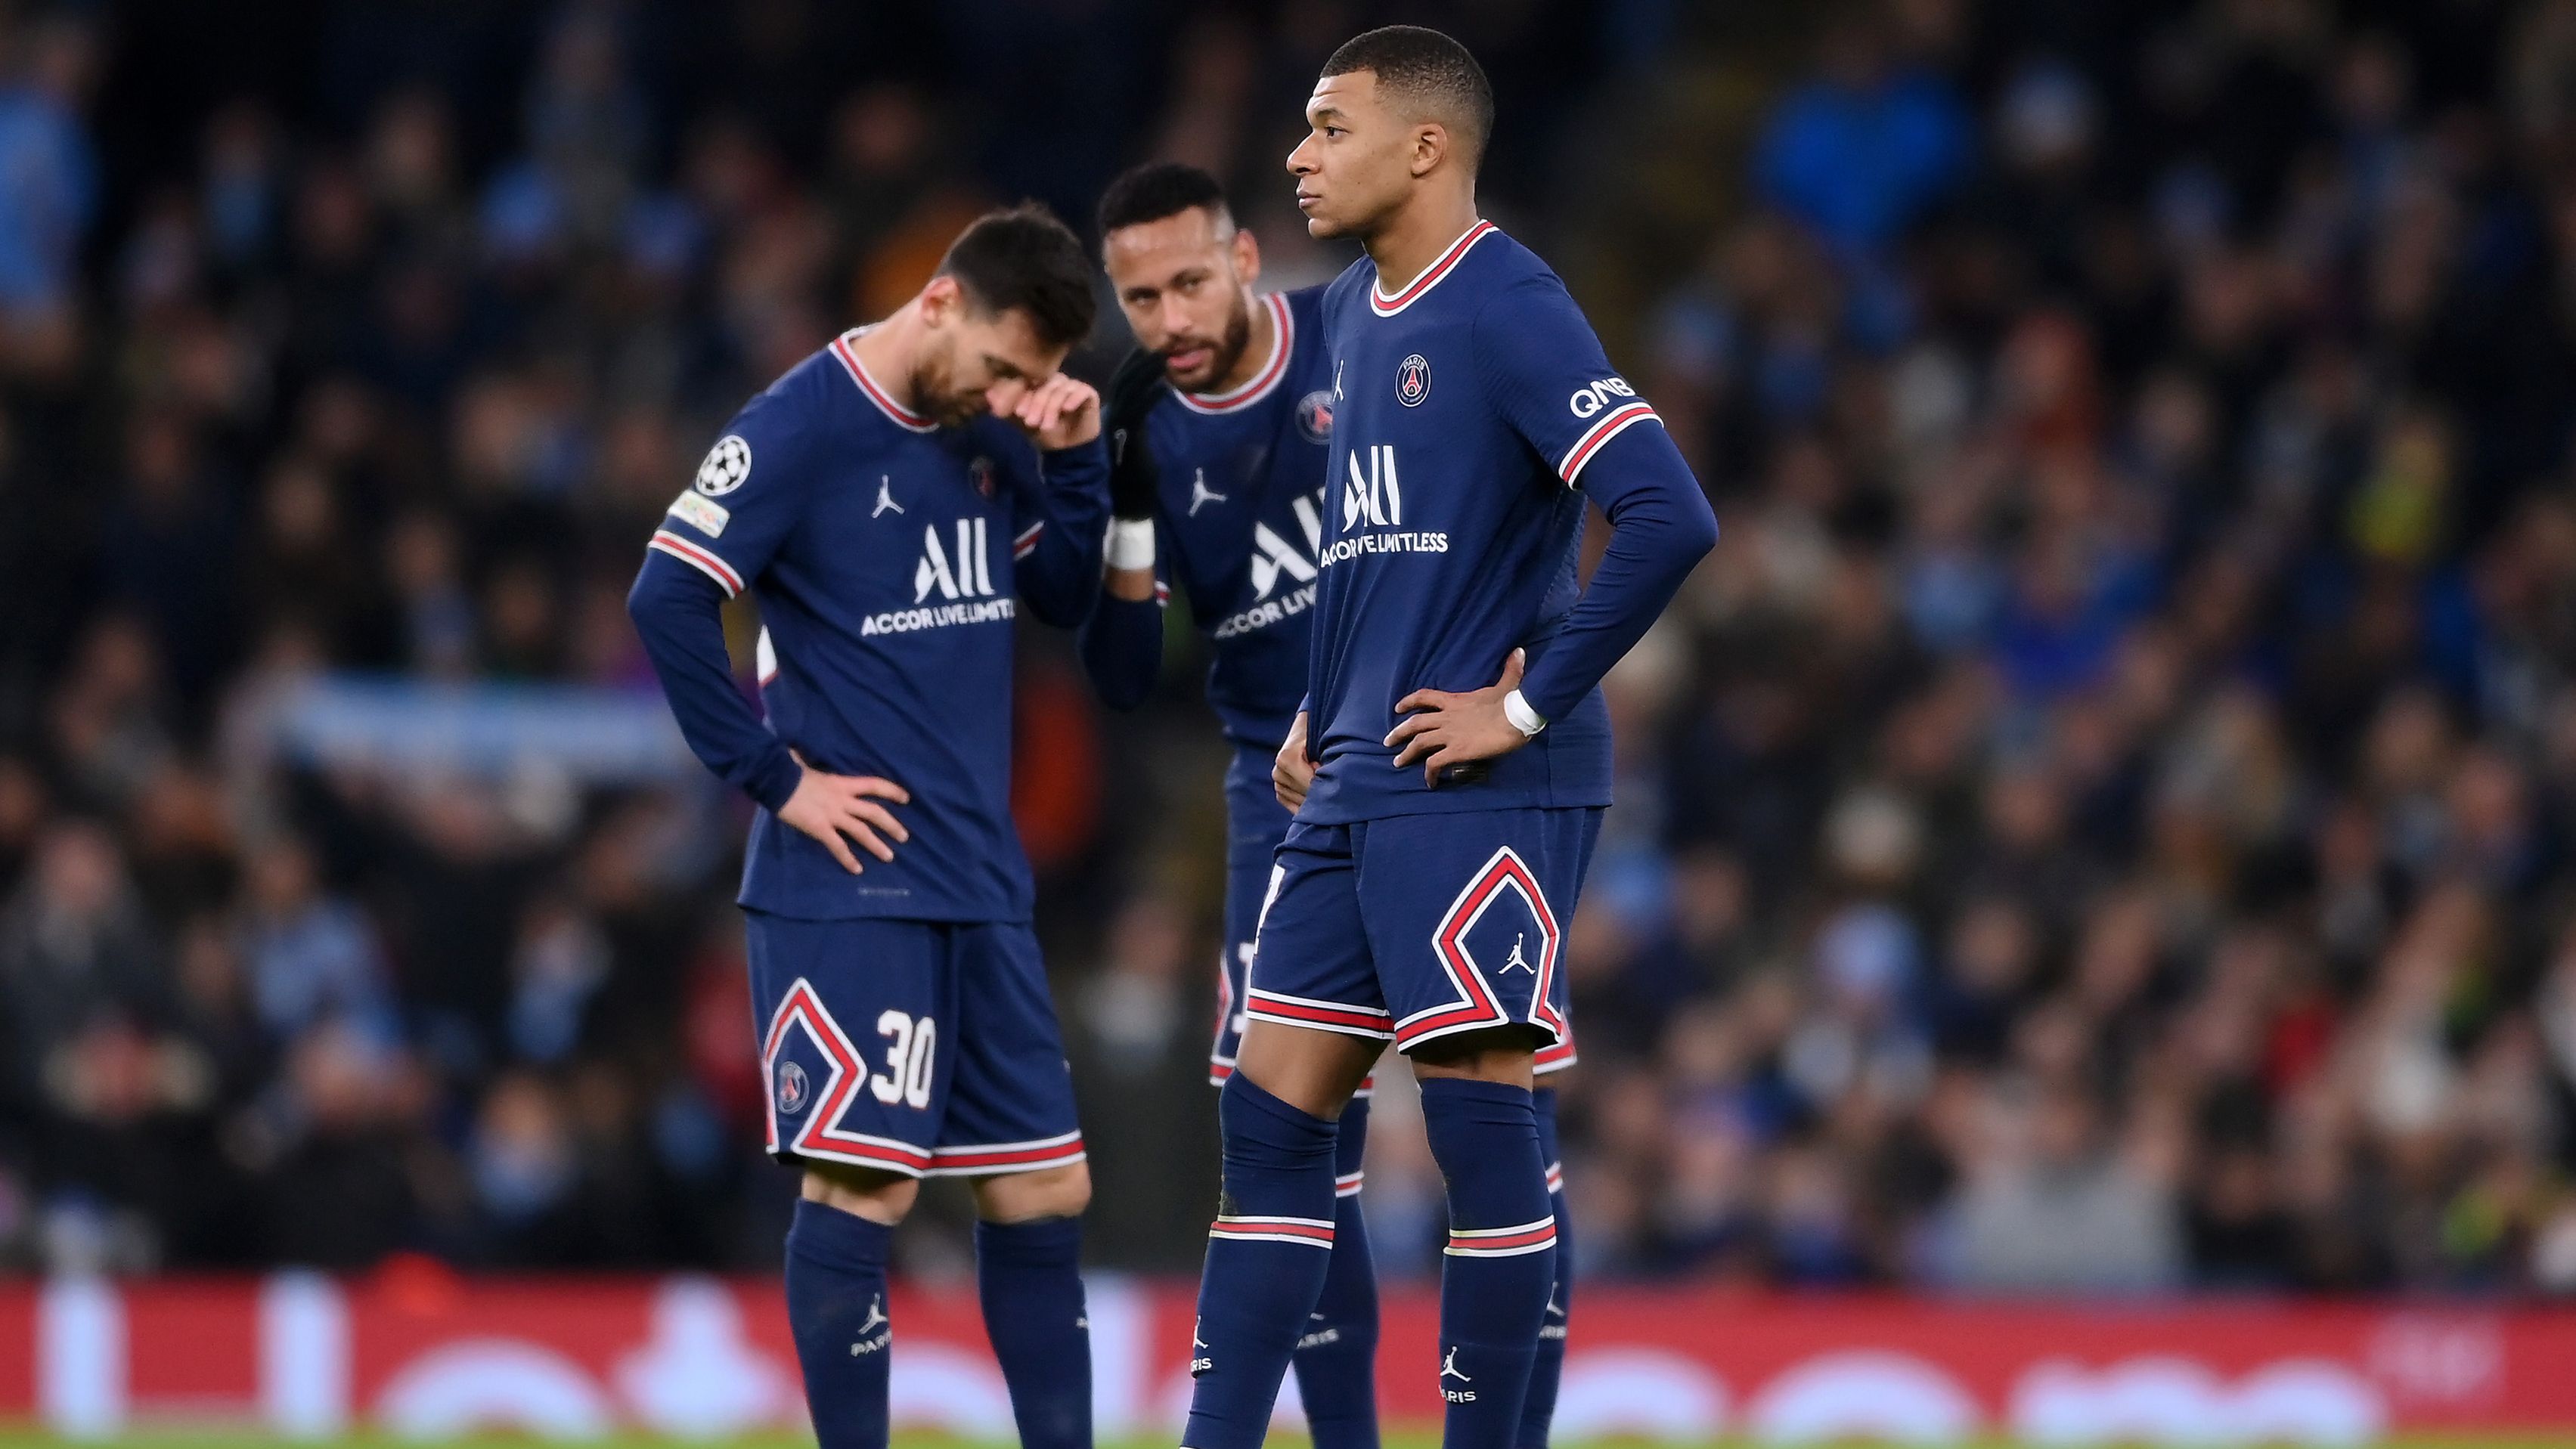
(793, 1089)
(1413, 380)
(1315, 415)
(728, 464)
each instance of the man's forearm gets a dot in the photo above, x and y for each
(1661, 527)
(678, 613)
(1056, 557)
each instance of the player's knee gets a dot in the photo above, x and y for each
(881, 1197)
(1312, 1071)
(1501, 1054)
(1021, 1197)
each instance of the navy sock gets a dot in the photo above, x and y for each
(836, 1310)
(1030, 1279)
(1337, 1357)
(1540, 1407)
(1500, 1264)
(1267, 1255)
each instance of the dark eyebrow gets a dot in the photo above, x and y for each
(1001, 367)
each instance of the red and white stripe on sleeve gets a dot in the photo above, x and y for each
(698, 558)
(1609, 425)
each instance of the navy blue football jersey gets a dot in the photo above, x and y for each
(1242, 517)
(889, 557)
(1465, 407)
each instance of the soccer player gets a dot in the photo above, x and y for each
(1450, 760)
(1217, 424)
(885, 503)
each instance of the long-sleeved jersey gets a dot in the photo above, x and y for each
(1469, 406)
(1237, 526)
(889, 557)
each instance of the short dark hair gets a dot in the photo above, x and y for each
(1429, 69)
(1156, 190)
(1021, 259)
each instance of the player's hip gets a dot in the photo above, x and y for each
(1420, 927)
(940, 874)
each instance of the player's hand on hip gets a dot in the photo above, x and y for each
(1061, 412)
(1292, 774)
(839, 809)
(1440, 729)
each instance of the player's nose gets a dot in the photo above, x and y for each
(1004, 397)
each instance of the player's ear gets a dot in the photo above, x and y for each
(1247, 257)
(1430, 143)
(939, 297)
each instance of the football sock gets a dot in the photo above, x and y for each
(1029, 1277)
(1540, 1406)
(836, 1310)
(1500, 1264)
(1268, 1253)
(1337, 1356)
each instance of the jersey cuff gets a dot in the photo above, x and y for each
(1523, 718)
(779, 777)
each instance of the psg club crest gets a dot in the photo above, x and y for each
(1413, 380)
(793, 1089)
(980, 472)
(1315, 415)
(728, 464)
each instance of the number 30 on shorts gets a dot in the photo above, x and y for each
(910, 1046)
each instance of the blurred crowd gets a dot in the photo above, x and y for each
(2104, 820)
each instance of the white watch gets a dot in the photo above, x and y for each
(1523, 718)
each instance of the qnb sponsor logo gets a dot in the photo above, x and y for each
(2159, 1400)
(970, 577)
(1592, 397)
(1374, 499)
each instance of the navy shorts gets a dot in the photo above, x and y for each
(1417, 927)
(927, 1048)
(1255, 823)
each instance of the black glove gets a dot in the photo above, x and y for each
(1134, 481)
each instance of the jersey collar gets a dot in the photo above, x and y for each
(902, 416)
(1283, 336)
(1386, 306)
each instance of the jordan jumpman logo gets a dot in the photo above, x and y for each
(1200, 492)
(1516, 958)
(885, 497)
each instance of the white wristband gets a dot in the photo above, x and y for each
(1523, 718)
(1131, 544)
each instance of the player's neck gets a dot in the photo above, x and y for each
(886, 350)
(1415, 237)
(1255, 354)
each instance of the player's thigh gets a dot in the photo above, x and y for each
(1465, 916)
(1554, 1063)
(1010, 1101)
(854, 1083)
(1315, 1021)
(1255, 824)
